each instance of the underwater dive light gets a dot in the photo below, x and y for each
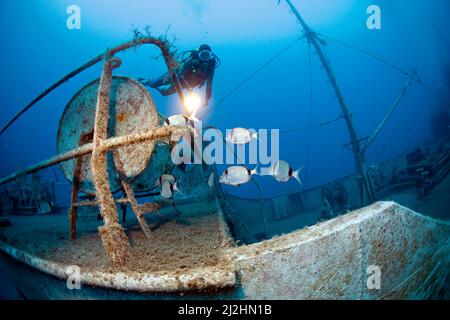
(192, 102)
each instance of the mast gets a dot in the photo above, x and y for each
(364, 184)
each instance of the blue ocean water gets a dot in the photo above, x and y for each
(38, 48)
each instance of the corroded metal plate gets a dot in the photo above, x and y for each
(160, 163)
(131, 111)
(337, 259)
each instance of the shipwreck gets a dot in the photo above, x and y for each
(112, 146)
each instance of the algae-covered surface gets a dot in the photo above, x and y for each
(181, 242)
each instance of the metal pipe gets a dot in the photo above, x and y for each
(137, 209)
(73, 214)
(94, 203)
(108, 144)
(129, 193)
(160, 133)
(80, 151)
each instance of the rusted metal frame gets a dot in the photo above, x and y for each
(161, 133)
(140, 212)
(94, 203)
(87, 148)
(85, 204)
(136, 208)
(170, 61)
(123, 207)
(129, 193)
(114, 239)
(113, 236)
(73, 215)
(149, 206)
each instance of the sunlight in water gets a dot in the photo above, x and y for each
(220, 21)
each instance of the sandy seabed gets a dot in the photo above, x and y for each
(195, 242)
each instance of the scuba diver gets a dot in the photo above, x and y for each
(196, 68)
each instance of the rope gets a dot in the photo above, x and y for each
(416, 272)
(379, 58)
(341, 266)
(250, 76)
(392, 65)
(321, 124)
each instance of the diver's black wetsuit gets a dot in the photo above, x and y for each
(192, 72)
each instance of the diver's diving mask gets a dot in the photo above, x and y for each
(205, 55)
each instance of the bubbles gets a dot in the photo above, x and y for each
(195, 7)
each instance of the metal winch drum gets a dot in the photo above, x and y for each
(132, 111)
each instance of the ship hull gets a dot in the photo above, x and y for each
(335, 259)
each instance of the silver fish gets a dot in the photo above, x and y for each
(237, 175)
(180, 120)
(184, 121)
(166, 178)
(283, 172)
(168, 189)
(168, 185)
(240, 136)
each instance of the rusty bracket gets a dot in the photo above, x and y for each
(74, 198)
(139, 210)
(112, 234)
(73, 215)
